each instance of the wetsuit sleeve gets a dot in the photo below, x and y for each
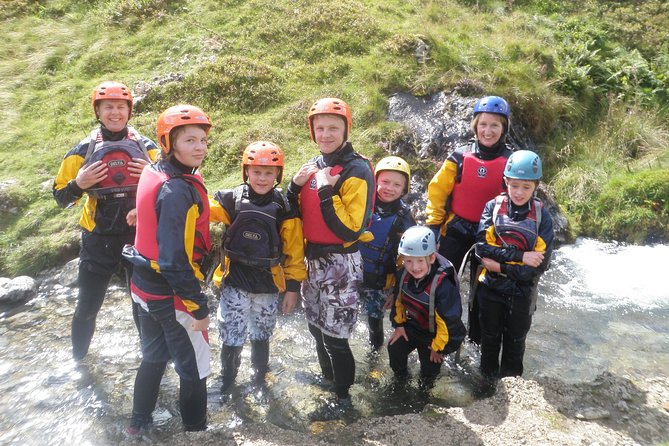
(293, 250)
(65, 190)
(449, 329)
(438, 191)
(177, 210)
(218, 207)
(345, 212)
(397, 313)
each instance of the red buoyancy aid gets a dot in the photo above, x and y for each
(315, 228)
(481, 181)
(522, 234)
(116, 155)
(146, 241)
(420, 307)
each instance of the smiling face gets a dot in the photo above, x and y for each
(390, 185)
(419, 267)
(489, 128)
(520, 191)
(329, 131)
(113, 113)
(262, 178)
(189, 145)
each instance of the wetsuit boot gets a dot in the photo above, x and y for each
(375, 332)
(259, 360)
(231, 358)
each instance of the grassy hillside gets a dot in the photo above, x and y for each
(588, 79)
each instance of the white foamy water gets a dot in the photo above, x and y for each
(597, 275)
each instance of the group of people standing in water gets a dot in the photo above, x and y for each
(339, 238)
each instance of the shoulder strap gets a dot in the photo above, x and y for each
(237, 194)
(282, 199)
(433, 291)
(537, 212)
(91, 144)
(140, 142)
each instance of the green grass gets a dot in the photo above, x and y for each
(590, 89)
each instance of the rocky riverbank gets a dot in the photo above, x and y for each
(610, 411)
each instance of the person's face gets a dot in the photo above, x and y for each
(190, 146)
(520, 191)
(419, 267)
(262, 178)
(390, 185)
(489, 129)
(329, 131)
(113, 113)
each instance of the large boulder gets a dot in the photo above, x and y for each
(20, 289)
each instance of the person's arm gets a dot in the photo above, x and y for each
(65, 189)
(293, 265)
(177, 208)
(449, 329)
(439, 190)
(345, 212)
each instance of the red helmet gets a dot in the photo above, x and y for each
(111, 90)
(330, 106)
(177, 116)
(262, 153)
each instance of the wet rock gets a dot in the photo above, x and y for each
(592, 413)
(68, 274)
(19, 289)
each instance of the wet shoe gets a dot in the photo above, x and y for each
(334, 409)
(485, 387)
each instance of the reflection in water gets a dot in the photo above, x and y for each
(588, 321)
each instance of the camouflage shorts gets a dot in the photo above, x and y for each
(242, 314)
(330, 293)
(373, 300)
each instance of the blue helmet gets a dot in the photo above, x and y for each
(523, 165)
(492, 104)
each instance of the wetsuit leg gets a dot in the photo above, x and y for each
(492, 316)
(259, 359)
(127, 269)
(454, 245)
(147, 385)
(513, 340)
(343, 364)
(231, 358)
(323, 358)
(398, 354)
(375, 332)
(92, 290)
(193, 404)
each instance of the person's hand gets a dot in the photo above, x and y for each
(399, 332)
(200, 324)
(136, 166)
(91, 175)
(131, 217)
(533, 258)
(388, 303)
(289, 302)
(436, 357)
(491, 265)
(306, 171)
(324, 178)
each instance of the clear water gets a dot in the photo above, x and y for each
(602, 306)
